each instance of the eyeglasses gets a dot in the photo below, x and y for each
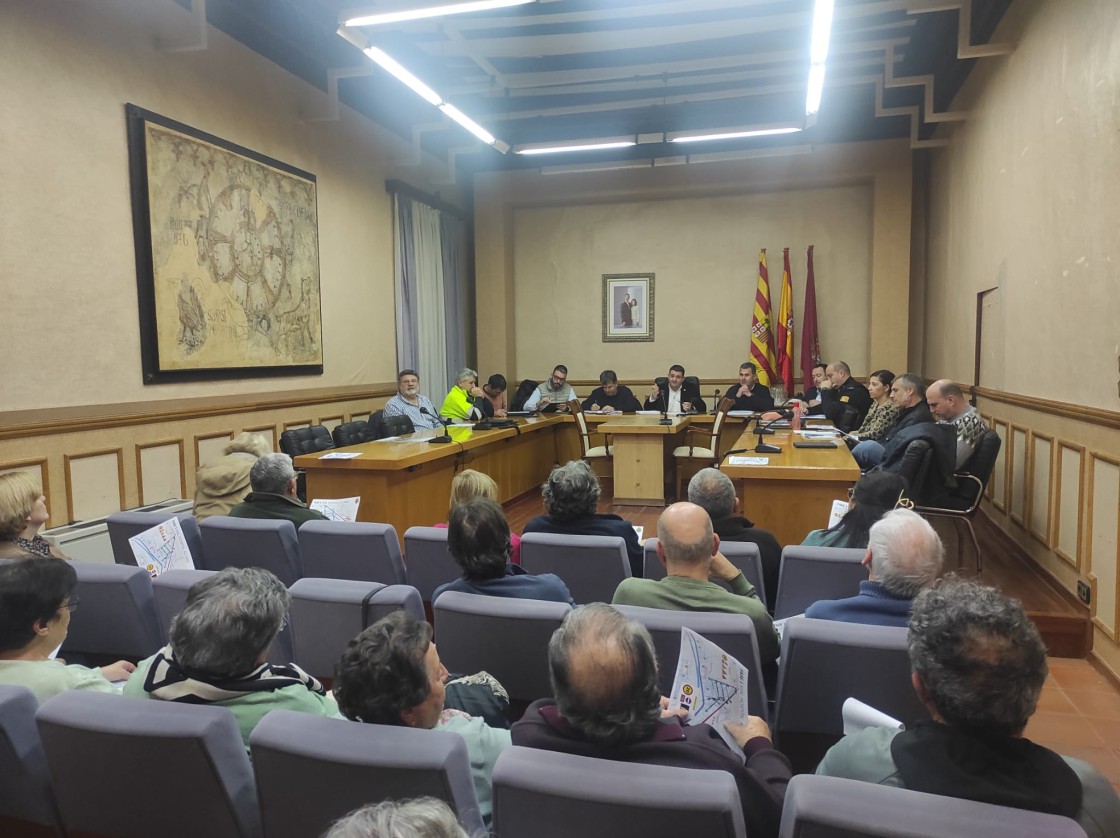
(71, 604)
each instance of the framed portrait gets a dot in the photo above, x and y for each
(227, 257)
(627, 307)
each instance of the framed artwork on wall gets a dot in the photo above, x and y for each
(627, 307)
(227, 257)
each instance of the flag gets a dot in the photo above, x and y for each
(783, 329)
(762, 335)
(810, 347)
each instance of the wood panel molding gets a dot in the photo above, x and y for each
(1111, 632)
(1042, 534)
(141, 446)
(1018, 436)
(67, 459)
(1083, 413)
(269, 430)
(1003, 504)
(1079, 450)
(200, 438)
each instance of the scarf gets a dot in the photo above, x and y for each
(168, 680)
(37, 546)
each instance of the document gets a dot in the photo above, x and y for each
(638, 530)
(859, 716)
(819, 433)
(341, 455)
(839, 510)
(711, 685)
(747, 461)
(161, 548)
(337, 509)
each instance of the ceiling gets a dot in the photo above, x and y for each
(566, 70)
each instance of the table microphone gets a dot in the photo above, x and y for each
(715, 405)
(446, 436)
(762, 448)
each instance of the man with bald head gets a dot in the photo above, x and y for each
(689, 549)
(948, 405)
(844, 401)
(604, 676)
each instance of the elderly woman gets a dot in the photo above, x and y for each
(571, 495)
(883, 411)
(36, 600)
(875, 494)
(469, 484)
(390, 674)
(421, 817)
(459, 404)
(23, 511)
(218, 652)
(223, 483)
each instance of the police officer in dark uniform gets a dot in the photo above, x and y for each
(845, 401)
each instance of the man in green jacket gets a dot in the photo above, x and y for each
(273, 481)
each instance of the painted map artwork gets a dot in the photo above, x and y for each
(235, 255)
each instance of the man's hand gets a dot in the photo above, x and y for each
(686, 405)
(544, 400)
(608, 409)
(477, 392)
(721, 568)
(666, 713)
(654, 391)
(501, 414)
(825, 385)
(744, 391)
(743, 734)
(118, 671)
(594, 407)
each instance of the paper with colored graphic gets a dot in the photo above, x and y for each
(337, 509)
(163, 547)
(711, 685)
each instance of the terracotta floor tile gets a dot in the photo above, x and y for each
(1108, 729)
(1067, 663)
(1102, 759)
(1055, 701)
(1083, 677)
(1104, 703)
(1055, 730)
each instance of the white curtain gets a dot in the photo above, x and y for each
(431, 333)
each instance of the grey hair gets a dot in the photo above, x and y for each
(906, 552)
(712, 491)
(911, 381)
(248, 443)
(686, 552)
(464, 374)
(228, 622)
(272, 473)
(571, 491)
(603, 669)
(979, 656)
(421, 817)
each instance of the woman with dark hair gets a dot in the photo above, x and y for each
(876, 493)
(883, 411)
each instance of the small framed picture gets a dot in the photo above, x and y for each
(627, 307)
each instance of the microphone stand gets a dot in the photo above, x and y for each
(715, 405)
(761, 447)
(446, 435)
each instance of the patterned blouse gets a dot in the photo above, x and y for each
(878, 419)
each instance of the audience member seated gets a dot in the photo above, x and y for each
(23, 511)
(604, 676)
(222, 483)
(409, 402)
(844, 401)
(390, 674)
(36, 599)
(274, 493)
(571, 495)
(555, 392)
(904, 555)
(978, 665)
(908, 395)
(421, 817)
(460, 401)
(713, 491)
(218, 652)
(883, 411)
(495, 392)
(469, 484)
(750, 394)
(812, 395)
(948, 405)
(611, 397)
(874, 494)
(689, 550)
(478, 538)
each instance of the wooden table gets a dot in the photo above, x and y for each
(793, 492)
(639, 453)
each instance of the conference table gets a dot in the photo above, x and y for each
(640, 451)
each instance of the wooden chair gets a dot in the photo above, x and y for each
(599, 457)
(703, 447)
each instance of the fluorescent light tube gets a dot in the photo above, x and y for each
(735, 135)
(584, 147)
(468, 123)
(822, 29)
(383, 60)
(434, 11)
(816, 88)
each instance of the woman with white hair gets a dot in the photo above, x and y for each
(223, 483)
(459, 404)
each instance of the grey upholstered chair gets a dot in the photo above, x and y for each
(351, 550)
(134, 767)
(117, 615)
(170, 589)
(547, 794)
(124, 525)
(427, 560)
(743, 555)
(809, 574)
(590, 565)
(313, 770)
(27, 804)
(249, 542)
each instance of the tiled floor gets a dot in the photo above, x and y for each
(1079, 716)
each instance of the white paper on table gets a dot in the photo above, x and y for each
(742, 414)
(859, 716)
(341, 455)
(388, 439)
(747, 461)
(163, 547)
(839, 510)
(819, 433)
(337, 509)
(648, 412)
(638, 530)
(711, 685)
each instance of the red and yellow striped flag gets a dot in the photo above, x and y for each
(762, 335)
(783, 331)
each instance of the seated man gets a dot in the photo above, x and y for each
(408, 402)
(812, 395)
(611, 397)
(689, 550)
(713, 491)
(604, 676)
(948, 405)
(904, 555)
(479, 541)
(495, 391)
(844, 401)
(979, 665)
(273, 480)
(908, 395)
(555, 391)
(750, 395)
(462, 400)
(218, 652)
(571, 495)
(674, 397)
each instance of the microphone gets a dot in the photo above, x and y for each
(446, 436)
(715, 404)
(762, 448)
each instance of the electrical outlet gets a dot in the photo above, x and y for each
(1083, 592)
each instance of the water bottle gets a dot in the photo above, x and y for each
(796, 424)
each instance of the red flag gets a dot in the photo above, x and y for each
(783, 329)
(762, 335)
(810, 347)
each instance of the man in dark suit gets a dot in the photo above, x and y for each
(908, 394)
(673, 395)
(750, 395)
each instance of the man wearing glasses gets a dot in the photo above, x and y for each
(554, 392)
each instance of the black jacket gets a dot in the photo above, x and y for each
(744, 531)
(623, 400)
(690, 393)
(846, 405)
(760, 399)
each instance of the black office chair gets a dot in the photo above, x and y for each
(524, 390)
(396, 425)
(376, 425)
(297, 441)
(351, 433)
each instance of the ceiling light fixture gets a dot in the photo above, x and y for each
(556, 149)
(431, 11)
(468, 123)
(396, 69)
(732, 135)
(818, 54)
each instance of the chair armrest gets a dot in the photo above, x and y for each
(961, 475)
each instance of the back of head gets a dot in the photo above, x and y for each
(497, 382)
(684, 532)
(31, 592)
(249, 443)
(604, 675)
(906, 552)
(382, 671)
(228, 622)
(712, 491)
(980, 658)
(422, 817)
(478, 538)
(571, 491)
(272, 474)
(18, 493)
(469, 484)
(876, 493)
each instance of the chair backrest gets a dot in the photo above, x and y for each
(809, 574)
(506, 637)
(832, 807)
(917, 459)
(313, 770)
(427, 560)
(744, 555)
(524, 390)
(124, 525)
(351, 433)
(590, 565)
(981, 464)
(376, 426)
(25, 794)
(251, 542)
(734, 633)
(170, 590)
(117, 615)
(296, 441)
(135, 767)
(576, 409)
(326, 614)
(720, 421)
(396, 425)
(351, 550)
(548, 794)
